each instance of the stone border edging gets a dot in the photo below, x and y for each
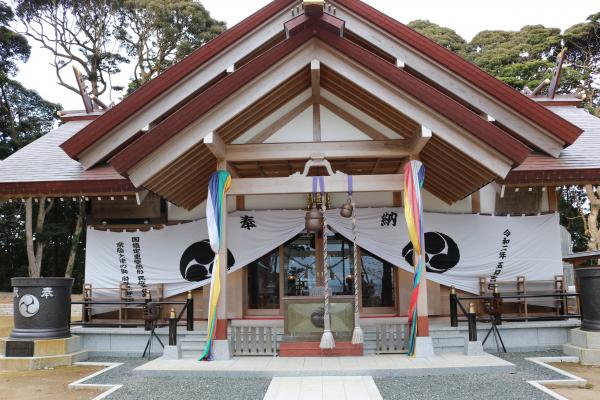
(573, 381)
(80, 385)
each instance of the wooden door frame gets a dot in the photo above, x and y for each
(320, 275)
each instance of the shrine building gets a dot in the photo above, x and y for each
(312, 105)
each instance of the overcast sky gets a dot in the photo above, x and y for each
(467, 17)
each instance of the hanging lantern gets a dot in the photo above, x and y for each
(314, 220)
(347, 209)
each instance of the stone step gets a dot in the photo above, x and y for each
(448, 342)
(445, 333)
(449, 350)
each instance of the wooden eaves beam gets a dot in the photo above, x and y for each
(418, 142)
(215, 145)
(315, 78)
(299, 184)
(330, 150)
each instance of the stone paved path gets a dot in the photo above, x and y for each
(369, 365)
(323, 388)
(507, 385)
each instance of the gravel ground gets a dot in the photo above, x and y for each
(152, 388)
(506, 386)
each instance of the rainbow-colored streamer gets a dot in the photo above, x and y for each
(218, 186)
(414, 177)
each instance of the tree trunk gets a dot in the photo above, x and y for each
(33, 271)
(35, 245)
(592, 218)
(75, 241)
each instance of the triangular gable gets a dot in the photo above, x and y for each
(495, 89)
(178, 72)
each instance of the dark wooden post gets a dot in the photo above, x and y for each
(453, 307)
(497, 302)
(172, 328)
(87, 309)
(147, 322)
(472, 318)
(190, 312)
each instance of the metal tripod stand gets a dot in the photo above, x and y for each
(152, 315)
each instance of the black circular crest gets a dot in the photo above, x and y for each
(197, 261)
(441, 252)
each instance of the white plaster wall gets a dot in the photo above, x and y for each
(488, 198)
(274, 117)
(363, 200)
(298, 201)
(276, 202)
(432, 203)
(300, 129)
(360, 115)
(181, 214)
(335, 129)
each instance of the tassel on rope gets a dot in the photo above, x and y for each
(414, 177)
(357, 334)
(327, 340)
(218, 186)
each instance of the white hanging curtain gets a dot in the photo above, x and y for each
(463, 247)
(460, 248)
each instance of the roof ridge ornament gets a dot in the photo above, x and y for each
(313, 8)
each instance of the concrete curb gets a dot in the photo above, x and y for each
(375, 373)
(572, 381)
(80, 385)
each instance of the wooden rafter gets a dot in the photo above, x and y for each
(215, 144)
(418, 142)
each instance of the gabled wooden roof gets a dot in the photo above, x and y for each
(493, 87)
(157, 86)
(464, 69)
(577, 164)
(453, 172)
(42, 168)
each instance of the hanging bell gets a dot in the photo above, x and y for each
(314, 220)
(347, 209)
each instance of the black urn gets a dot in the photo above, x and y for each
(42, 308)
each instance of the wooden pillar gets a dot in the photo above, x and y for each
(422, 304)
(221, 325)
(398, 200)
(240, 203)
(476, 202)
(552, 199)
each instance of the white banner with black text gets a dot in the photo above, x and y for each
(460, 248)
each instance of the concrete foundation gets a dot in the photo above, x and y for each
(48, 353)
(474, 349)
(424, 347)
(585, 345)
(517, 336)
(221, 350)
(172, 352)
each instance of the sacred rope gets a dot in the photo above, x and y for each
(327, 340)
(357, 335)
